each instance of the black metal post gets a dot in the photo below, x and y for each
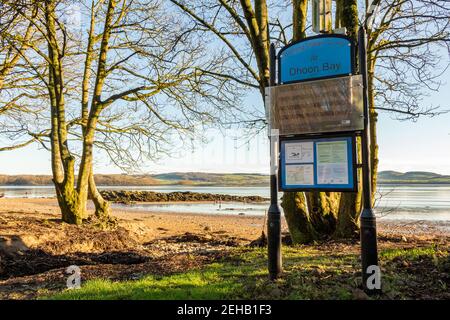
(369, 252)
(274, 214)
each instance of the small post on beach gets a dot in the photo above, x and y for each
(369, 252)
(274, 213)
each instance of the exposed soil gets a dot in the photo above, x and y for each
(36, 247)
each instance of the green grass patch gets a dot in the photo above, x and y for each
(205, 284)
(309, 273)
(410, 253)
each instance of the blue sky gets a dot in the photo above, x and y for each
(404, 146)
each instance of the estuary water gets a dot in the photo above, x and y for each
(394, 202)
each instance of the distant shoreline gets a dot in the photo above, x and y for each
(221, 180)
(248, 226)
(215, 185)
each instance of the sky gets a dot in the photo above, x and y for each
(423, 145)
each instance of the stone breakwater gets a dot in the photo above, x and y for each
(150, 196)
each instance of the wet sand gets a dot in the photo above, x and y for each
(154, 225)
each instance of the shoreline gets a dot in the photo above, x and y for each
(104, 186)
(383, 213)
(163, 223)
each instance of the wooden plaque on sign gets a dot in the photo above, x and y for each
(331, 105)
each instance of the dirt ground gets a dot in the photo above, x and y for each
(36, 248)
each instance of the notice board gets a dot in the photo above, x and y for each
(320, 163)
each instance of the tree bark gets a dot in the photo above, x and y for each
(338, 14)
(300, 10)
(62, 161)
(322, 211)
(257, 21)
(373, 126)
(300, 221)
(85, 169)
(102, 207)
(350, 205)
(347, 224)
(297, 218)
(349, 17)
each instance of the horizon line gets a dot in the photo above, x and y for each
(205, 172)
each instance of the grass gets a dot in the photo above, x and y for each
(309, 273)
(191, 285)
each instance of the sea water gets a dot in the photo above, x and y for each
(393, 202)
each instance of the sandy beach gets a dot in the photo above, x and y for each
(154, 225)
(35, 247)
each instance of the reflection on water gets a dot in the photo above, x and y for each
(49, 191)
(416, 202)
(233, 208)
(414, 196)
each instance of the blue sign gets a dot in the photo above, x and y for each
(315, 58)
(318, 164)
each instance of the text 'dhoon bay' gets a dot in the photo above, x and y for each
(314, 58)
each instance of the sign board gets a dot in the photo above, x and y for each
(315, 58)
(326, 163)
(330, 105)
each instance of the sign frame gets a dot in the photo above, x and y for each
(325, 137)
(321, 36)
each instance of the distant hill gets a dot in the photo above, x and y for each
(174, 178)
(100, 179)
(203, 178)
(213, 179)
(394, 177)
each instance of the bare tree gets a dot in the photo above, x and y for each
(15, 32)
(402, 40)
(134, 81)
(408, 52)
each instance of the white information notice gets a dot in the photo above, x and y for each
(332, 162)
(299, 152)
(300, 174)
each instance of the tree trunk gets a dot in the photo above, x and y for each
(373, 127)
(102, 207)
(68, 203)
(322, 207)
(63, 163)
(297, 218)
(85, 172)
(295, 204)
(350, 205)
(338, 14)
(348, 222)
(349, 17)
(309, 215)
(300, 10)
(347, 225)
